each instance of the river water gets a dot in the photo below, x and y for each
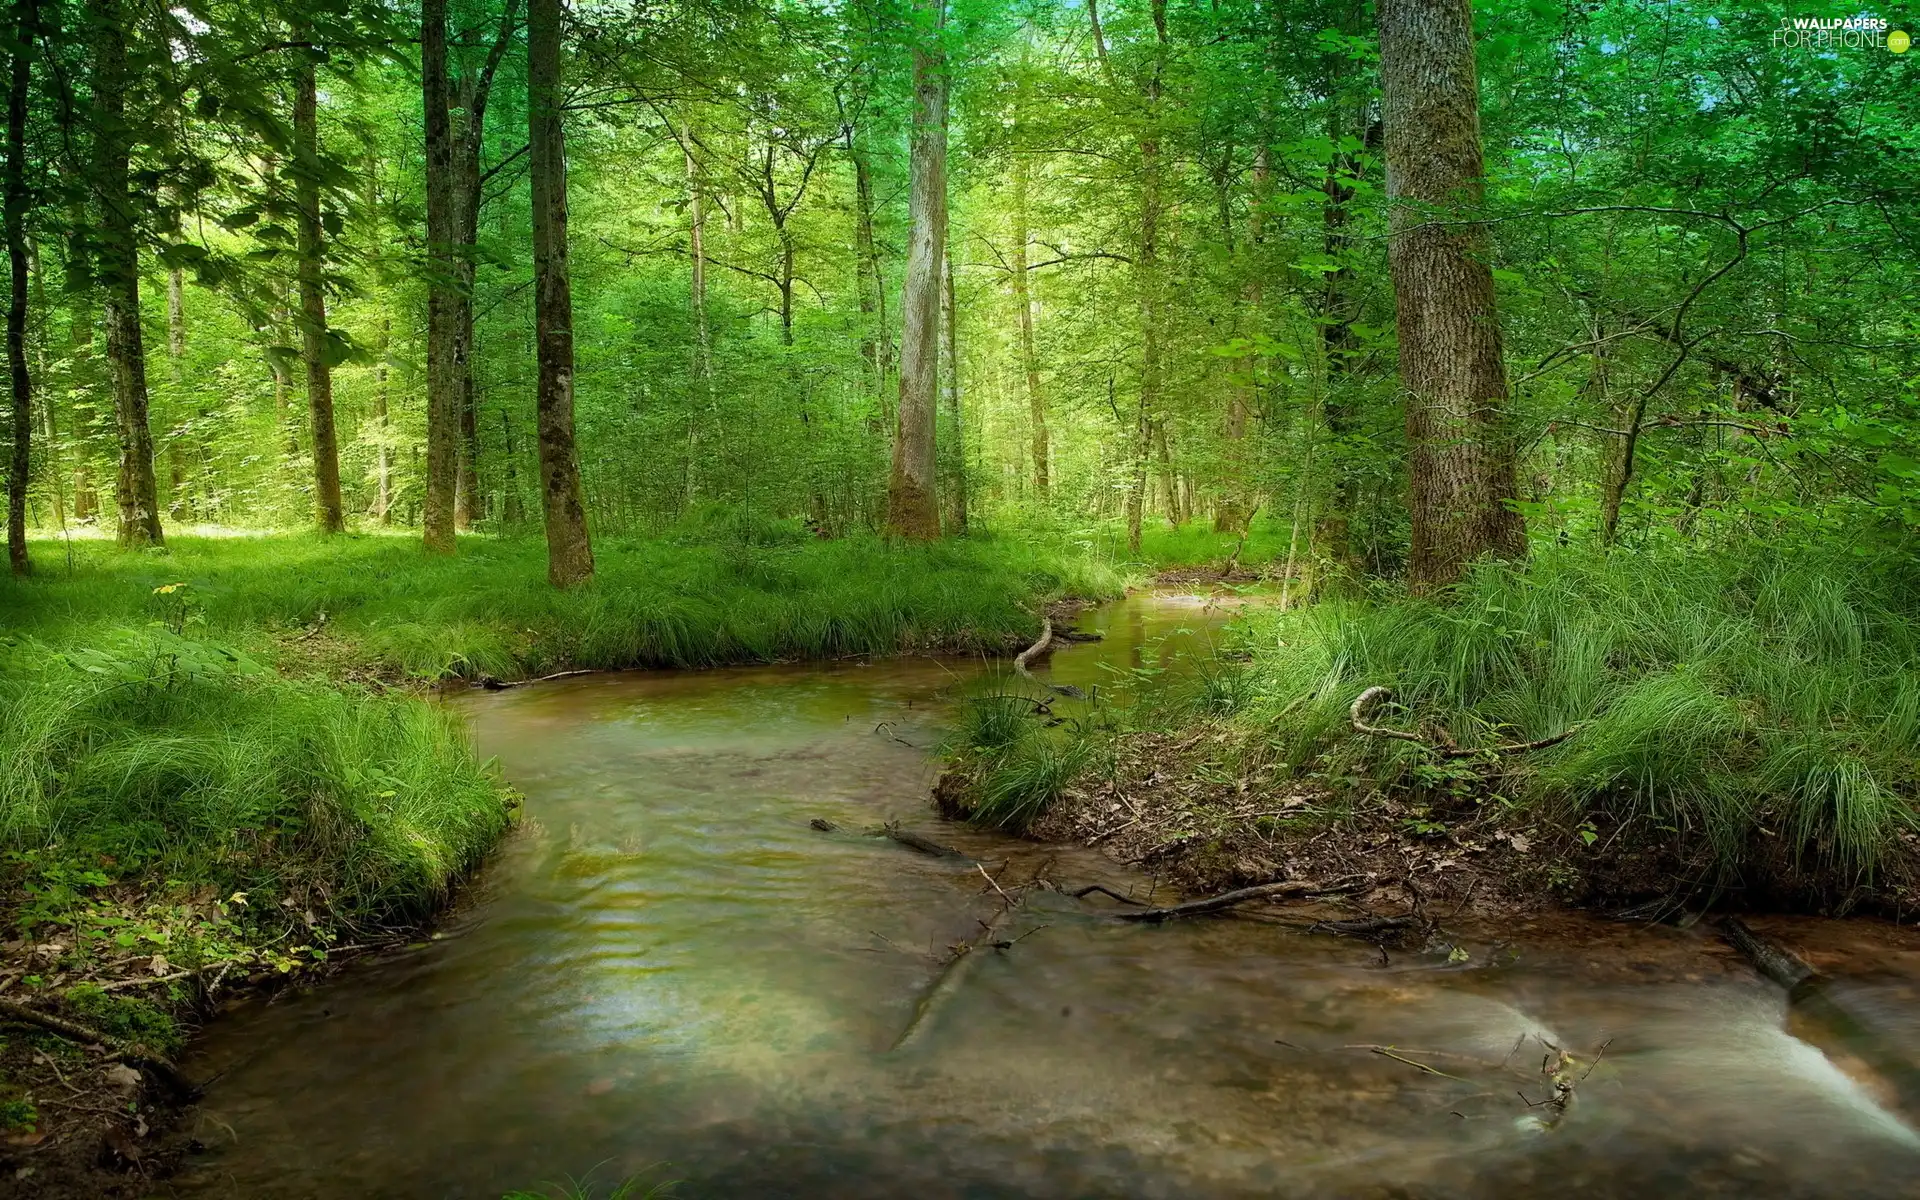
(667, 972)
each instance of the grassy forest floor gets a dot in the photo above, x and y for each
(1655, 734)
(218, 769)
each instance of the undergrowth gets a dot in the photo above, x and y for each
(702, 595)
(1762, 708)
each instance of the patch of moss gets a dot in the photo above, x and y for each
(135, 1022)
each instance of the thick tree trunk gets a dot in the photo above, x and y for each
(569, 554)
(956, 491)
(468, 134)
(135, 491)
(912, 506)
(25, 25)
(1461, 473)
(443, 384)
(328, 511)
(1023, 308)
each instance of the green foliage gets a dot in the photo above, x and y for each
(18, 1115)
(692, 599)
(127, 1020)
(1738, 699)
(1020, 757)
(177, 757)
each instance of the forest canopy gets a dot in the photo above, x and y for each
(277, 268)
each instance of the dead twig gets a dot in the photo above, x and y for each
(1039, 647)
(1103, 889)
(1288, 889)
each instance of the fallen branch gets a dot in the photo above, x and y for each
(1288, 889)
(1021, 659)
(1768, 957)
(914, 841)
(1103, 889)
(1446, 747)
(13, 1010)
(500, 685)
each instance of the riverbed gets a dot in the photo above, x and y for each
(667, 972)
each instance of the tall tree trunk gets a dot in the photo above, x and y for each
(1146, 262)
(135, 491)
(569, 554)
(511, 510)
(468, 134)
(957, 473)
(25, 27)
(1332, 534)
(697, 257)
(866, 263)
(469, 95)
(1232, 513)
(1023, 309)
(328, 510)
(912, 508)
(443, 385)
(383, 467)
(176, 320)
(1461, 473)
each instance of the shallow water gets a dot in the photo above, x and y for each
(667, 971)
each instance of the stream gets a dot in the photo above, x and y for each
(666, 972)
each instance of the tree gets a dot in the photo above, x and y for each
(19, 80)
(1023, 303)
(471, 92)
(313, 299)
(912, 508)
(118, 263)
(443, 282)
(569, 552)
(1453, 379)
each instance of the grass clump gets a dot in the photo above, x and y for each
(184, 759)
(1766, 705)
(1015, 759)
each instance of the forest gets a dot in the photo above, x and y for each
(1525, 388)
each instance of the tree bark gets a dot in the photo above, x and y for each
(470, 95)
(912, 506)
(328, 511)
(868, 277)
(1461, 472)
(957, 472)
(443, 385)
(383, 467)
(135, 491)
(25, 26)
(1023, 308)
(569, 553)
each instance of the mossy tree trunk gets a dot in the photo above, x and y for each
(443, 397)
(569, 553)
(912, 505)
(1453, 380)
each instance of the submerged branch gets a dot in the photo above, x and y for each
(1286, 889)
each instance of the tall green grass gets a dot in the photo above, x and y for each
(1018, 757)
(1760, 701)
(175, 758)
(703, 595)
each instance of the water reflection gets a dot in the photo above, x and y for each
(667, 965)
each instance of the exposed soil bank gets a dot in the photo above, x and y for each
(1196, 816)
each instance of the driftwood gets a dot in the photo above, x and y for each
(74, 1031)
(1039, 647)
(1768, 957)
(1286, 889)
(905, 837)
(1362, 927)
(1103, 889)
(1443, 743)
(500, 685)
